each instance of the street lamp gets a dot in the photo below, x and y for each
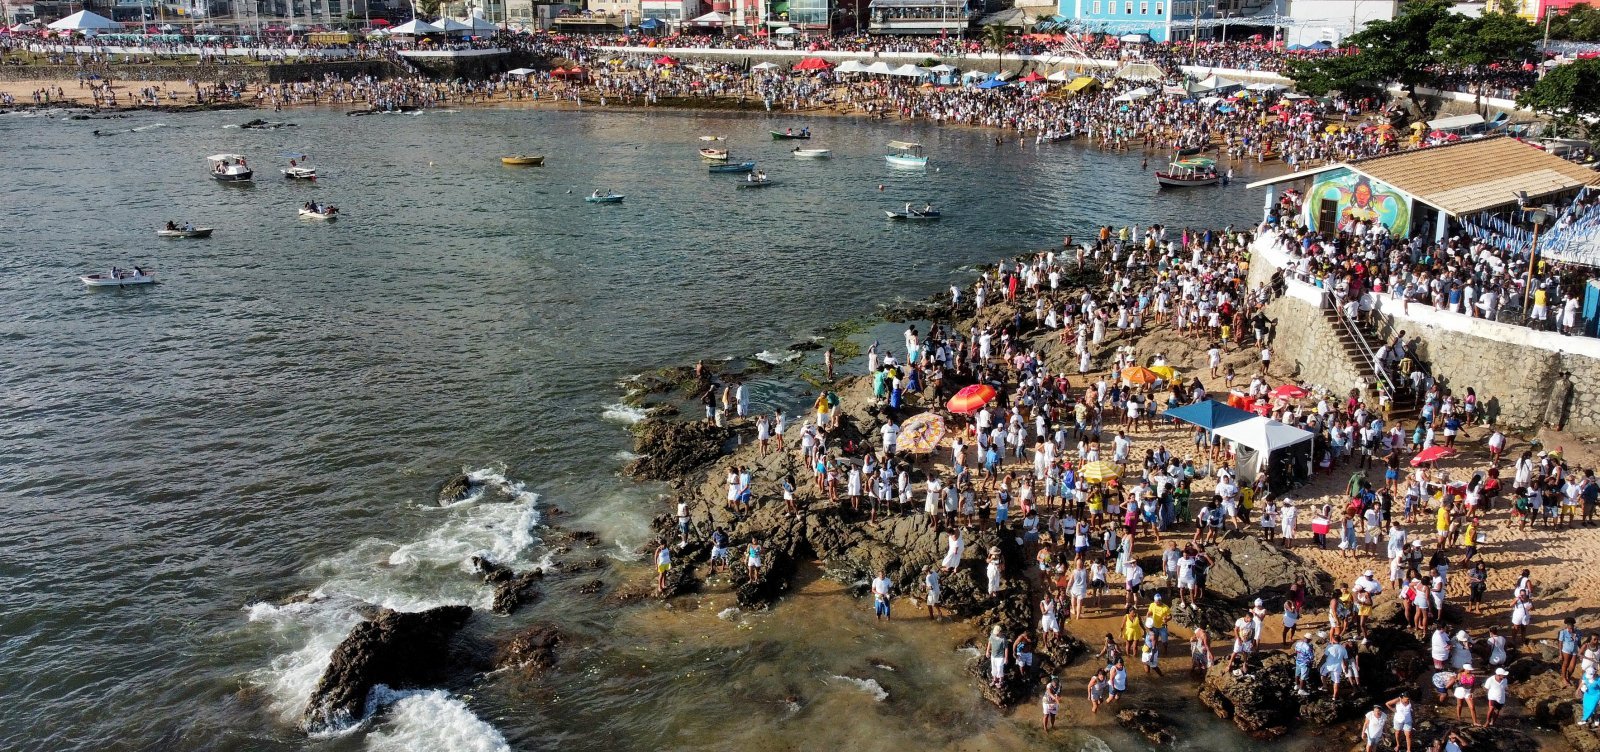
(1538, 216)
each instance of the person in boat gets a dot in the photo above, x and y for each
(188, 227)
(171, 225)
(908, 208)
(805, 132)
(138, 271)
(927, 208)
(596, 194)
(116, 273)
(789, 132)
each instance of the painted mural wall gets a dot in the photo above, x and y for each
(1358, 198)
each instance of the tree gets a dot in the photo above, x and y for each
(1493, 38)
(1398, 51)
(426, 8)
(1569, 94)
(1580, 23)
(1508, 7)
(995, 37)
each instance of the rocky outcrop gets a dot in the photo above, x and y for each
(1155, 727)
(1265, 704)
(398, 649)
(1545, 697)
(530, 650)
(668, 449)
(511, 590)
(455, 489)
(1245, 568)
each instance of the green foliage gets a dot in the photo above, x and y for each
(1569, 93)
(1580, 23)
(1492, 38)
(428, 9)
(995, 37)
(1508, 7)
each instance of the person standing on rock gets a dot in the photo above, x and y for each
(1590, 687)
(1402, 709)
(1051, 703)
(1372, 727)
(763, 432)
(663, 563)
(752, 560)
(999, 651)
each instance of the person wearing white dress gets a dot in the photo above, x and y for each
(952, 556)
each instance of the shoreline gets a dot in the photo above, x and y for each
(699, 485)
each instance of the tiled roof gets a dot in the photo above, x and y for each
(1471, 176)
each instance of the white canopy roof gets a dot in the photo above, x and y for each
(975, 74)
(909, 70)
(712, 18)
(522, 72)
(224, 158)
(1133, 96)
(479, 23)
(1263, 434)
(880, 68)
(851, 66)
(450, 24)
(415, 26)
(1217, 82)
(85, 21)
(1265, 87)
(1059, 76)
(943, 68)
(763, 66)
(787, 30)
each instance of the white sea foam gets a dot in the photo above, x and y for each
(150, 127)
(429, 720)
(624, 456)
(870, 686)
(969, 651)
(728, 614)
(777, 358)
(414, 576)
(1093, 744)
(621, 413)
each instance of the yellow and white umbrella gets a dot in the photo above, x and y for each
(920, 434)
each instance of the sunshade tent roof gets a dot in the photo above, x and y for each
(1263, 434)
(1210, 414)
(85, 21)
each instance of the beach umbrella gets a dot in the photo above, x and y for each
(1432, 454)
(1289, 392)
(920, 434)
(971, 398)
(1166, 372)
(812, 64)
(1139, 375)
(1032, 77)
(1098, 472)
(666, 60)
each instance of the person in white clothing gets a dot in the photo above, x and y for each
(1401, 707)
(1372, 727)
(1495, 688)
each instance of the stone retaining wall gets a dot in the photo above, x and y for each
(207, 73)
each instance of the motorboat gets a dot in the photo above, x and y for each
(906, 154)
(119, 277)
(1189, 151)
(321, 212)
(791, 135)
(1189, 171)
(522, 160)
(262, 125)
(716, 155)
(299, 172)
(757, 180)
(230, 168)
(925, 213)
(606, 198)
(800, 153)
(732, 168)
(184, 232)
(713, 138)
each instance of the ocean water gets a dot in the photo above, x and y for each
(207, 482)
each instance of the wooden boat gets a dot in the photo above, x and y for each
(800, 153)
(906, 154)
(803, 135)
(230, 168)
(522, 160)
(914, 214)
(1189, 171)
(608, 198)
(1190, 151)
(197, 232)
(732, 168)
(717, 155)
(120, 278)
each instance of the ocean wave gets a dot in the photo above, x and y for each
(414, 576)
(620, 413)
(624, 455)
(1093, 743)
(870, 686)
(429, 720)
(777, 358)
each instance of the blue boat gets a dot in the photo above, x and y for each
(603, 198)
(741, 167)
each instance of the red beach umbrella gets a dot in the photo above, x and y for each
(812, 64)
(666, 60)
(1432, 454)
(970, 399)
(1289, 392)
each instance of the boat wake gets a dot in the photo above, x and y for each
(497, 522)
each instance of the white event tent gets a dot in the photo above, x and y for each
(85, 21)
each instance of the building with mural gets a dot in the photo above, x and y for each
(1431, 192)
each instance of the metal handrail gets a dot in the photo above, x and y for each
(1384, 383)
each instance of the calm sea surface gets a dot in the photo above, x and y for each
(274, 417)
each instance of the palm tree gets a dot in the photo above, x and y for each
(995, 37)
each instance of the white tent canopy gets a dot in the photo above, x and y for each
(479, 23)
(787, 30)
(1266, 87)
(976, 74)
(1059, 77)
(851, 66)
(943, 68)
(881, 68)
(450, 24)
(1263, 434)
(85, 21)
(763, 66)
(416, 26)
(712, 19)
(1215, 82)
(1133, 96)
(523, 72)
(910, 71)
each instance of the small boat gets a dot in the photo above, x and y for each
(522, 160)
(732, 168)
(800, 153)
(906, 154)
(713, 138)
(193, 232)
(760, 182)
(1189, 151)
(717, 155)
(324, 213)
(299, 172)
(230, 168)
(262, 125)
(121, 278)
(791, 135)
(608, 198)
(927, 213)
(1189, 171)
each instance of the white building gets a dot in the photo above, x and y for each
(1332, 20)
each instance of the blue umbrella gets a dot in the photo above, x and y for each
(993, 83)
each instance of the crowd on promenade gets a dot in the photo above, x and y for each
(1063, 444)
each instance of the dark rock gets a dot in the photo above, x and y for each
(1245, 568)
(398, 649)
(1499, 738)
(586, 537)
(1546, 699)
(669, 449)
(516, 591)
(532, 649)
(1261, 703)
(1149, 724)
(457, 488)
(806, 345)
(591, 587)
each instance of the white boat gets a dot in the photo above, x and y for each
(121, 278)
(327, 213)
(800, 153)
(230, 168)
(925, 213)
(1189, 171)
(299, 173)
(713, 138)
(906, 154)
(192, 232)
(606, 198)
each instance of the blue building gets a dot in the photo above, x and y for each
(1161, 20)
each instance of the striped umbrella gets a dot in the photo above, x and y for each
(970, 399)
(920, 434)
(1098, 472)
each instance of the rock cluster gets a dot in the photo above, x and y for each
(395, 648)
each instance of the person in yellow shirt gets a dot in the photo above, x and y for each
(1441, 524)
(1541, 304)
(1132, 631)
(1159, 614)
